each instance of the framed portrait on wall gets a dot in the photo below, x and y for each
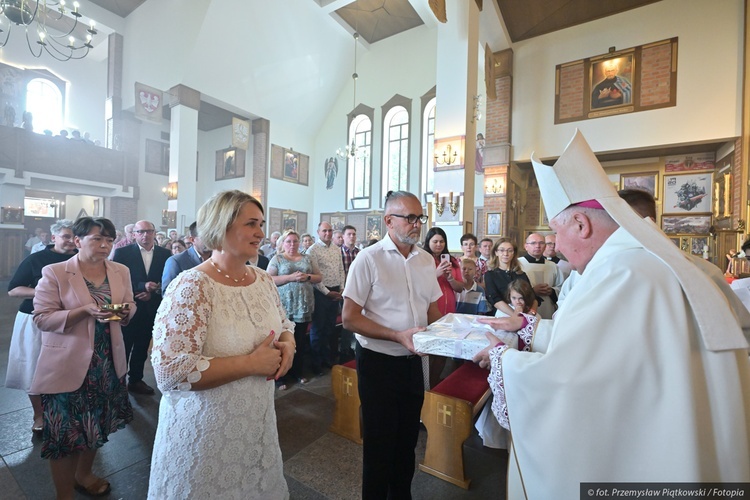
(374, 226)
(688, 193)
(698, 244)
(644, 181)
(611, 81)
(230, 163)
(289, 221)
(338, 221)
(291, 166)
(493, 224)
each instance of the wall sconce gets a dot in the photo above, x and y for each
(494, 185)
(440, 204)
(454, 204)
(447, 157)
(170, 191)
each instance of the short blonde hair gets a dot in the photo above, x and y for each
(218, 213)
(282, 239)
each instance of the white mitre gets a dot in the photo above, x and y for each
(577, 177)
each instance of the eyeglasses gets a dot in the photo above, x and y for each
(535, 243)
(145, 231)
(550, 244)
(411, 218)
(505, 250)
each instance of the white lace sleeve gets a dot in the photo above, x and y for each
(499, 405)
(180, 332)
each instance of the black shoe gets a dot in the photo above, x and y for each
(140, 387)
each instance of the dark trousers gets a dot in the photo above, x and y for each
(391, 391)
(322, 331)
(300, 338)
(137, 337)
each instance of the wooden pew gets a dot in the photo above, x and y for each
(346, 417)
(448, 414)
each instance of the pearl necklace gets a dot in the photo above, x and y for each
(226, 275)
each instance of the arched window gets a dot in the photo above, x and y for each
(358, 167)
(44, 101)
(396, 150)
(428, 147)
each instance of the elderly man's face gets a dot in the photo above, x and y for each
(325, 233)
(568, 242)
(535, 245)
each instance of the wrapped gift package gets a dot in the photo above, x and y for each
(458, 336)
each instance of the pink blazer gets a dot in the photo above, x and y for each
(66, 352)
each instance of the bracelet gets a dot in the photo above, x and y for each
(498, 345)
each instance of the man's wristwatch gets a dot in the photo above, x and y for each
(309, 277)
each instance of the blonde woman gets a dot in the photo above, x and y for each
(220, 339)
(294, 275)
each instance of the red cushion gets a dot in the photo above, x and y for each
(351, 364)
(468, 382)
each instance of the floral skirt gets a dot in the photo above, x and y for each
(81, 420)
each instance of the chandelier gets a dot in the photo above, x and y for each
(53, 26)
(351, 151)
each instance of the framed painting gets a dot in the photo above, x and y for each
(611, 82)
(12, 215)
(688, 193)
(289, 221)
(681, 224)
(698, 245)
(338, 221)
(291, 166)
(374, 225)
(493, 227)
(543, 220)
(644, 181)
(230, 163)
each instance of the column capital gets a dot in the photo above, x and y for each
(183, 95)
(261, 126)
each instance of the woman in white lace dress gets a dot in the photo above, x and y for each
(220, 339)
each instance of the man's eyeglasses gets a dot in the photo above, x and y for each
(411, 218)
(535, 243)
(145, 231)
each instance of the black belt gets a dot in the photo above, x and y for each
(334, 288)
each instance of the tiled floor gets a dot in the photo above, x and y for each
(318, 464)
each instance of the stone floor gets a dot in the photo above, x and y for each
(318, 464)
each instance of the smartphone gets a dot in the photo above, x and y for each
(445, 257)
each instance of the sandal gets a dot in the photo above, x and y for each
(282, 387)
(98, 488)
(302, 380)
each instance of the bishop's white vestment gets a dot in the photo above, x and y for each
(620, 387)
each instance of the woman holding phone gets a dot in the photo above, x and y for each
(82, 365)
(447, 269)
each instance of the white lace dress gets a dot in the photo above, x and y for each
(221, 442)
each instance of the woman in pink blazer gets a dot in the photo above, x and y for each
(81, 369)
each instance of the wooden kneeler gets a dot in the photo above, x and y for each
(448, 414)
(346, 417)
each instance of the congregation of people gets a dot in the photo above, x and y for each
(227, 316)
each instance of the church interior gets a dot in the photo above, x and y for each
(318, 108)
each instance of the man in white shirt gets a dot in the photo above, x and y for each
(33, 240)
(485, 249)
(391, 294)
(269, 249)
(543, 274)
(327, 297)
(550, 253)
(43, 242)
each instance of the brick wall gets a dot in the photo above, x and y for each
(655, 74)
(571, 91)
(122, 211)
(497, 124)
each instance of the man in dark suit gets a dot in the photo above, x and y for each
(146, 263)
(183, 261)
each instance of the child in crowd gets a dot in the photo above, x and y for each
(471, 299)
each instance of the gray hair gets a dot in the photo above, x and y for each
(392, 196)
(60, 225)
